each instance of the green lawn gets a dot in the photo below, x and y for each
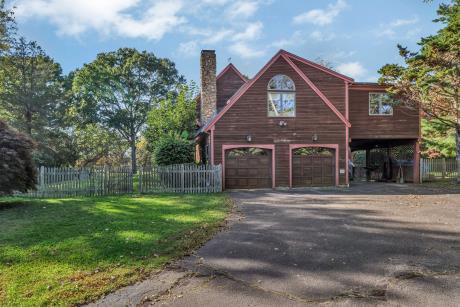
(71, 251)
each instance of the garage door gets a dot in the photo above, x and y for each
(313, 167)
(248, 168)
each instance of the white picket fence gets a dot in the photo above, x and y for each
(181, 178)
(87, 181)
(435, 169)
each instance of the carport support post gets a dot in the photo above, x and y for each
(417, 161)
(368, 172)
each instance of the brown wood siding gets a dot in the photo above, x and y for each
(403, 124)
(227, 85)
(332, 87)
(249, 116)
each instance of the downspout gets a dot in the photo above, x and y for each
(211, 144)
(347, 138)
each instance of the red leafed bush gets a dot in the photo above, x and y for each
(17, 170)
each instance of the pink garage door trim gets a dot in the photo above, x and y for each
(262, 146)
(332, 146)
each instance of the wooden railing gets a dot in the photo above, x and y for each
(435, 169)
(181, 178)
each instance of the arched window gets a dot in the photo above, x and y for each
(281, 97)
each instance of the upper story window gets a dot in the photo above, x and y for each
(281, 97)
(380, 104)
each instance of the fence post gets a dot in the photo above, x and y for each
(422, 170)
(221, 180)
(140, 173)
(41, 183)
(444, 168)
(182, 178)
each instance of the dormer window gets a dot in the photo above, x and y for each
(380, 104)
(281, 97)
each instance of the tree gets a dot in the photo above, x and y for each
(94, 143)
(173, 150)
(430, 80)
(174, 116)
(323, 62)
(30, 86)
(119, 88)
(144, 155)
(438, 140)
(17, 171)
(7, 27)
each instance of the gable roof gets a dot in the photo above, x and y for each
(287, 57)
(318, 66)
(231, 67)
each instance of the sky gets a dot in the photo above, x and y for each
(356, 37)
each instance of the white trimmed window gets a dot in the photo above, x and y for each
(281, 97)
(380, 104)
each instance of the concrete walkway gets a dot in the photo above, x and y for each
(367, 245)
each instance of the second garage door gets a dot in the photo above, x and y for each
(248, 168)
(313, 167)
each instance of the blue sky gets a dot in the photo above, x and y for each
(356, 36)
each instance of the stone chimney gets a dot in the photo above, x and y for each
(208, 86)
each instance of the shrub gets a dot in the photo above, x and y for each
(173, 150)
(17, 170)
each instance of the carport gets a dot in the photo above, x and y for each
(385, 160)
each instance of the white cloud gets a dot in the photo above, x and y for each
(321, 17)
(242, 9)
(243, 50)
(343, 54)
(296, 39)
(403, 22)
(322, 37)
(352, 69)
(73, 17)
(158, 20)
(396, 27)
(188, 49)
(214, 2)
(218, 36)
(241, 41)
(252, 32)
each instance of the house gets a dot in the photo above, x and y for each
(297, 124)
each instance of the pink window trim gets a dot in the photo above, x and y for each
(332, 146)
(263, 146)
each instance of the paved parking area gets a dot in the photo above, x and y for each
(372, 244)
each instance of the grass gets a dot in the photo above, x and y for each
(450, 183)
(71, 251)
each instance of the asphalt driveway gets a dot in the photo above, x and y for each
(372, 244)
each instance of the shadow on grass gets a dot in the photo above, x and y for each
(53, 241)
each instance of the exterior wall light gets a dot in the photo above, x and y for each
(248, 138)
(282, 123)
(314, 137)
